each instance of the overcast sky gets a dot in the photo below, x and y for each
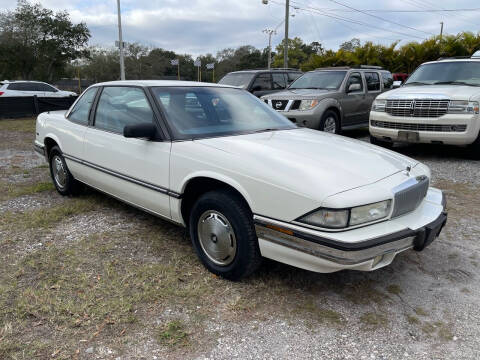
(206, 26)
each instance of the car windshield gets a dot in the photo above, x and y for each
(452, 72)
(319, 80)
(197, 112)
(237, 79)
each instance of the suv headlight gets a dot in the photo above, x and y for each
(463, 107)
(339, 219)
(307, 105)
(379, 105)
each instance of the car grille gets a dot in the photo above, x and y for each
(409, 195)
(417, 107)
(279, 104)
(419, 127)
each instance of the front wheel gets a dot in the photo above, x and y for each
(223, 235)
(330, 122)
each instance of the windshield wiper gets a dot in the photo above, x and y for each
(454, 83)
(417, 83)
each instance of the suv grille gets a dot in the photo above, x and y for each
(419, 127)
(279, 104)
(409, 195)
(417, 107)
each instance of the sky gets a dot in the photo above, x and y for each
(207, 26)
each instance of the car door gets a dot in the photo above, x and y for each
(354, 101)
(262, 85)
(134, 170)
(373, 83)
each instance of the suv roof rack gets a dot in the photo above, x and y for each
(351, 67)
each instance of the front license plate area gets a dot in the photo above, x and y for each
(408, 136)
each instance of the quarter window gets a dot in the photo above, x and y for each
(279, 81)
(355, 78)
(262, 83)
(373, 81)
(122, 106)
(81, 111)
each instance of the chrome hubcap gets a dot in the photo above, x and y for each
(216, 237)
(59, 172)
(330, 125)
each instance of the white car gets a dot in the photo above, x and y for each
(438, 104)
(243, 179)
(31, 88)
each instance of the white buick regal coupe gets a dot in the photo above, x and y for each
(243, 179)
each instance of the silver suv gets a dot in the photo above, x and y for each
(332, 99)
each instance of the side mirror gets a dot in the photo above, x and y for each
(354, 87)
(140, 131)
(396, 84)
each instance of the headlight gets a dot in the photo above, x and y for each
(379, 105)
(371, 212)
(463, 107)
(327, 218)
(307, 105)
(339, 219)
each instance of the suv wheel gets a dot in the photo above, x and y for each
(330, 122)
(382, 143)
(223, 235)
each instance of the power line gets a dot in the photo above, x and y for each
(400, 11)
(349, 20)
(378, 17)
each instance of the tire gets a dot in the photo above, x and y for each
(330, 122)
(474, 149)
(382, 143)
(63, 180)
(223, 235)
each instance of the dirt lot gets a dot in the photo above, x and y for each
(91, 278)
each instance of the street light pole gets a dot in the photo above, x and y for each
(285, 50)
(269, 32)
(120, 42)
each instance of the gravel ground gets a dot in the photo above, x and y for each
(423, 306)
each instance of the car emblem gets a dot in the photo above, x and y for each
(412, 107)
(278, 105)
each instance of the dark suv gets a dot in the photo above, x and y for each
(262, 82)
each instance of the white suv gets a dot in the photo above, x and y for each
(439, 104)
(31, 88)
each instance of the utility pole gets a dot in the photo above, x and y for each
(441, 30)
(120, 42)
(269, 32)
(285, 50)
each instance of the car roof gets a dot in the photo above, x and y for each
(466, 59)
(148, 83)
(254, 71)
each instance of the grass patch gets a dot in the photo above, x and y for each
(413, 320)
(173, 334)
(22, 125)
(363, 293)
(16, 190)
(313, 312)
(394, 289)
(420, 311)
(373, 321)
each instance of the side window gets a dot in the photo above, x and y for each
(279, 81)
(262, 82)
(80, 112)
(121, 106)
(34, 86)
(291, 77)
(373, 81)
(387, 79)
(46, 88)
(355, 78)
(14, 86)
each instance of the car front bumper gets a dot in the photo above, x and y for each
(472, 123)
(352, 249)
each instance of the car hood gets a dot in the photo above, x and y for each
(307, 161)
(452, 92)
(299, 94)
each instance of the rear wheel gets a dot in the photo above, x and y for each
(330, 122)
(223, 234)
(382, 143)
(62, 178)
